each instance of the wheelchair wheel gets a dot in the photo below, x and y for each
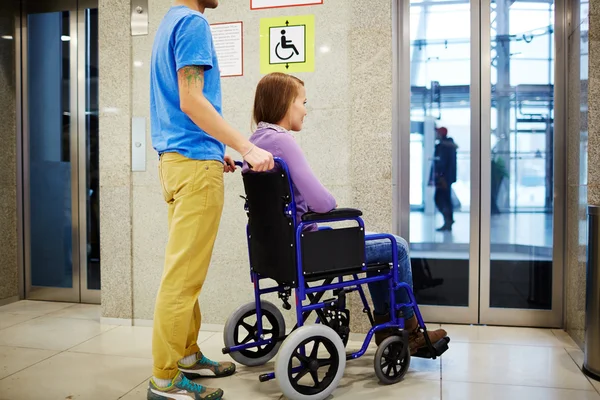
(310, 363)
(242, 327)
(392, 360)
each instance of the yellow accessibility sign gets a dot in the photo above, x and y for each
(287, 44)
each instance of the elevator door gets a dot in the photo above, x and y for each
(59, 59)
(481, 133)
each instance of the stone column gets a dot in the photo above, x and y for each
(9, 289)
(115, 159)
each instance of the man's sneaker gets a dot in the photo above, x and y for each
(205, 367)
(183, 389)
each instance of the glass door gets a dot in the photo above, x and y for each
(438, 108)
(60, 163)
(523, 163)
(479, 181)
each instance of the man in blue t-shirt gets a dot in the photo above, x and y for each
(190, 136)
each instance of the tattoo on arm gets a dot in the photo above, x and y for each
(191, 77)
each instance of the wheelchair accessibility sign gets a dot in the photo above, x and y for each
(287, 44)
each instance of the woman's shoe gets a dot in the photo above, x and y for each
(416, 338)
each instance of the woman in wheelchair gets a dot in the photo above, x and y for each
(279, 107)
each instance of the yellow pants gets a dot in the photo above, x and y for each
(193, 191)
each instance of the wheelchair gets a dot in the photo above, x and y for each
(311, 359)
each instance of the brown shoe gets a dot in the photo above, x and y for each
(416, 338)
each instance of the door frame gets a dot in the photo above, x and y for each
(78, 293)
(478, 310)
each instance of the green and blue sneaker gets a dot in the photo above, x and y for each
(182, 388)
(203, 367)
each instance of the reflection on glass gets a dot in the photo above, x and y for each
(522, 142)
(92, 169)
(440, 151)
(48, 59)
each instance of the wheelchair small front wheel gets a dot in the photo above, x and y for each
(392, 360)
(310, 363)
(242, 328)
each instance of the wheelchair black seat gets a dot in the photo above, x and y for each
(272, 234)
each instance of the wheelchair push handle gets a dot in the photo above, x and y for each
(275, 159)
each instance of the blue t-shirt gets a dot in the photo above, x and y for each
(183, 38)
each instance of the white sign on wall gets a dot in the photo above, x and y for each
(260, 4)
(287, 44)
(229, 45)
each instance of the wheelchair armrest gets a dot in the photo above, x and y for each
(338, 213)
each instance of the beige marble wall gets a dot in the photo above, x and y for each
(594, 105)
(115, 160)
(8, 160)
(348, 126)
(578, 174)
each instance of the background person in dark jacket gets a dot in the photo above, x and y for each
(443, 175)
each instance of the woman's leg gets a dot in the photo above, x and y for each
(380, 251)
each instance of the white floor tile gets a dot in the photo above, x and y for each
(128, 341)
(108, 362)
(478, 391)
(565, 338)
(77, 376)
(512, 365)
(419, 368)
(578, 357)
(245, 385)
(51, 333)
(9, 319)
(596, 385)
(14, 359)
(79, 311)
(35, 308)
(422, 380)
(504, 335)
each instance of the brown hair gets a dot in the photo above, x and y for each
(275, 94)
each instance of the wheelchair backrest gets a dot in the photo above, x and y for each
(271, 224)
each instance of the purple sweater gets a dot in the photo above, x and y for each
(309, 193)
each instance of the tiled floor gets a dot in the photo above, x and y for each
(61, 351)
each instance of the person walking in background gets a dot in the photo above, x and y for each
(443, 175)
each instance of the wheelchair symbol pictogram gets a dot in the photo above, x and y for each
(284, 43)
(287, 44)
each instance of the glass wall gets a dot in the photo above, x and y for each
(50, 162)
(440, 150)
(92, 173)
(482, 158)
(522, 154)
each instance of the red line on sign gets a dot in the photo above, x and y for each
(316, 2)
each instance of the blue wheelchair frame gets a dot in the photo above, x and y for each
(355, 285)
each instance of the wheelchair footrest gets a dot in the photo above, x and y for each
(439, 348)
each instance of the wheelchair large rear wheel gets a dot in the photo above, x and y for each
(242, 328)
(310, 363)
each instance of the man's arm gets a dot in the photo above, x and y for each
(201, 111)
